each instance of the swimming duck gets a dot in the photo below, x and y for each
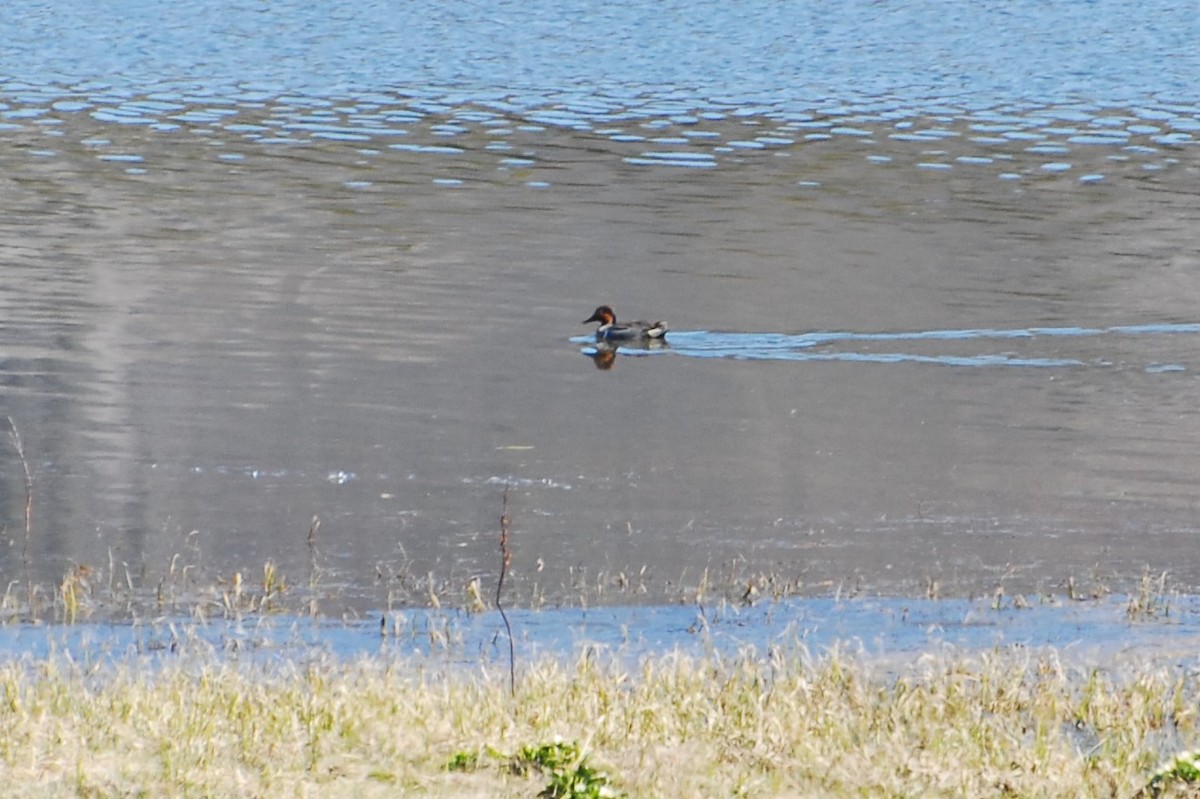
(609, 330)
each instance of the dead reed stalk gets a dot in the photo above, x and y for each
(313, 568)
(14, 435)
(505, 561)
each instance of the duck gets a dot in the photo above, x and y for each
(611, 330)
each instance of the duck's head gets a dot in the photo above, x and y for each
(604, 315)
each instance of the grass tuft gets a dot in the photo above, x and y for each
(779, 723)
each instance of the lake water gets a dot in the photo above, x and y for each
(931, 272)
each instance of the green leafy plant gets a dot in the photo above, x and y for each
(570, 775)
(1183, 768)
(463, 761)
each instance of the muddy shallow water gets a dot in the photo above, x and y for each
(915, 340)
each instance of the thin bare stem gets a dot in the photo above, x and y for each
(505, 561)
(15, 436)
(313, 568)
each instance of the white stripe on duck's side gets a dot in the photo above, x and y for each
(611, 330)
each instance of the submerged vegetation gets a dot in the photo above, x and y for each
(781, 723)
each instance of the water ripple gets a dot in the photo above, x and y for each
(710, 70)
(803, 346)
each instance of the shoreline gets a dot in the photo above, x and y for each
(779, 722)
(1155, 622)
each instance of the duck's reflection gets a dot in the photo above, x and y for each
(604, 353)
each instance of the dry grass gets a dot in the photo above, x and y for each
(1004, 723)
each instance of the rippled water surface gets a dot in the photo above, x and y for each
(931, 273)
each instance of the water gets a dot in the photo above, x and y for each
(929, 269)
(1095, 635)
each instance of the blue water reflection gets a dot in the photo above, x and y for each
(595, 62)
(677, 85)
(879, 626)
